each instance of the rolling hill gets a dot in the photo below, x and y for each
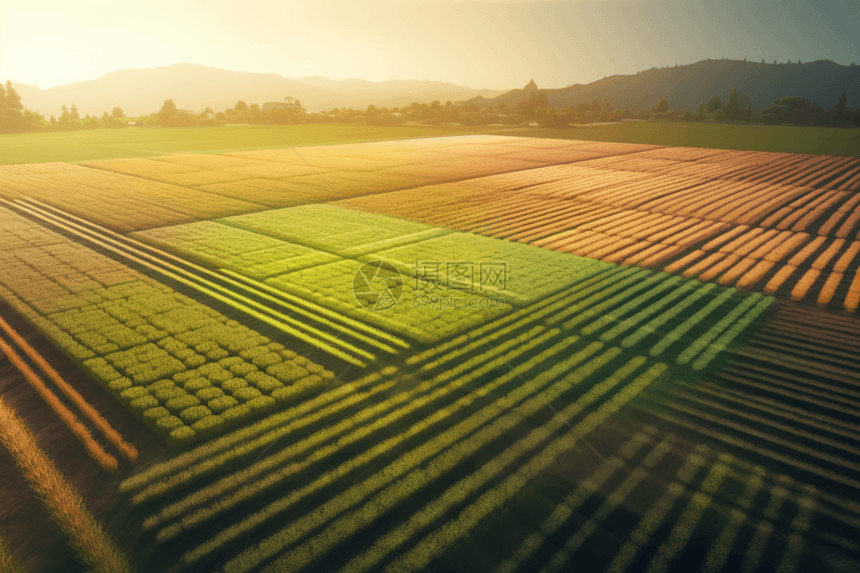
(685, 87)
(195, 87)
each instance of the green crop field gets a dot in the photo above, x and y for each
(445, 354)
(97, 144)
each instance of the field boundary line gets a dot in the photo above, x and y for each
(68, 510)
(88, 410)
(104, 459)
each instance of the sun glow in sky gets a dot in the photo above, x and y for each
(479, 43)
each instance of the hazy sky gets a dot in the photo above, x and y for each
(479, 43)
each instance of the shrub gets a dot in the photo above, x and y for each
(236, 412)
(143, 403)
(168, 423)
(263, 382)
(207, 424)
(181, 435)
(246, 394)
(266, 360)
(261, 403)
(168, 394)
(219, 405)
(191, 415)
(160, 385)
(286, 372)
(119, 385)
(197, 384)
(207, 394)
(243, 369)
(133, 393)
(154, 414)
(181, 403)
(233, 384)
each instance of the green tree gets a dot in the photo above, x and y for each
(117, 113)
(714, 104)
(241, 106)
(661, 107)
(12, 100)
(73, 113)
(841, 104)
(595, 108)
(105, 118)
(53, 120)
(732, 109)
(167, 111)
(744, 103)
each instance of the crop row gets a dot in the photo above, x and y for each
(121, 202)
(94, 449)
(492, 500)
(388, 413)
(85, 534)
(222, 246)
(281, 424)
(184, 368)
(680, 535)
(440, 465)
(574, 500)
(360, 425)
(8, 561)
(490, 422)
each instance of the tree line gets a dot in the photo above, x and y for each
(531, 110)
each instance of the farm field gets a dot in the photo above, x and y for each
(74, 147)
(475, 353)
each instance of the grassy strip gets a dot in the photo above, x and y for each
(630, 483)
(652, 520)
(86, 536)
(410, 400)
(91, 413)
(481, 425)
(277, 425)
(701, 342)
(614, 316)
(320, 310)
(436, 543)
(601, 291)
(674, 545)
(648, 311)
(598, 310)
(280, 325)
(720, 550)
(662, 319)
(573, 501)
(8, 562)
(723, 341)
(763, 436)
(800, 525)
(758, 450)
(530, 314)
(679, 331)
(104, 459)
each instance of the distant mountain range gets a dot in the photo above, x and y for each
(685, 87)
(195, 87)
